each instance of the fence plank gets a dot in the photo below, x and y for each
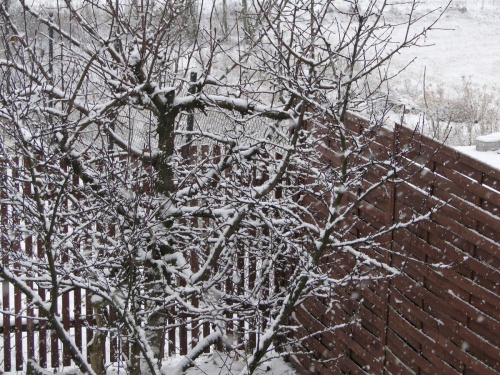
(77, 310)
(7, 365)
(42, 335)
(18, 329)
(15, 249)
(113, 336)
(89, 312)
(171, 332)
(30, 325)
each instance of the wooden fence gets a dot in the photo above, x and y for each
(441, 315)
(23, 336)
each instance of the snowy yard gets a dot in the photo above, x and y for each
(208, 364)
(466, 44)
(455, 77)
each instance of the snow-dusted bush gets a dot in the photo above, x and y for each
(461, 113)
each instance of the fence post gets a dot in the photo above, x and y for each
(388, 259)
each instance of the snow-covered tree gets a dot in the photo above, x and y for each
(224, 225)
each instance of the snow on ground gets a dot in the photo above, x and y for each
(461, 65)
(466, 44)
(209, 364)
(221, 364)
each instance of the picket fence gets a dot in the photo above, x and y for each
(441, 315)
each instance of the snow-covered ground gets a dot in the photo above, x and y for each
(466, 43)
(220, 364)
(209, 364)
(454, 79)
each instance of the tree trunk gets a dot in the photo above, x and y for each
(97, 358)
(164, 185)
(246, 20)
(135, 359)
(166, 138)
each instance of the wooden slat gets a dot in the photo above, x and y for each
(54, 342)
(30, 311)
(18, 330)
(89, 312)
(5, 284)
(113, 336)
(42, 333)
(444, 304)
(172, 350)
(394, 366)
(183, 337)
(78, 317)
(66, 324)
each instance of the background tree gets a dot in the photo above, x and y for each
(160, 238)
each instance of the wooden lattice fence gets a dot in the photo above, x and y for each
(441, 315)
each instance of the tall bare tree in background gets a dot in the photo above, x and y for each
(155, 236)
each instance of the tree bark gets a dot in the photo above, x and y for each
(166, 139)
(97, 359)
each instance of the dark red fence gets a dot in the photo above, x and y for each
(441, 315)
(23, 336)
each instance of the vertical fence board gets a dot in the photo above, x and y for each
(77, 311)
(19, 329)
(30, 325)
(77, 294)
(240, 287)
(113, 335)
(89, 321)
(66, 324)
(42, 334)
(5, 284)
(171, 332)
(206, 325)
(28, 247)
(252, 269)
(183, 334)
(65, 309)
(113, 347)
(195, 330)
(15, 248)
